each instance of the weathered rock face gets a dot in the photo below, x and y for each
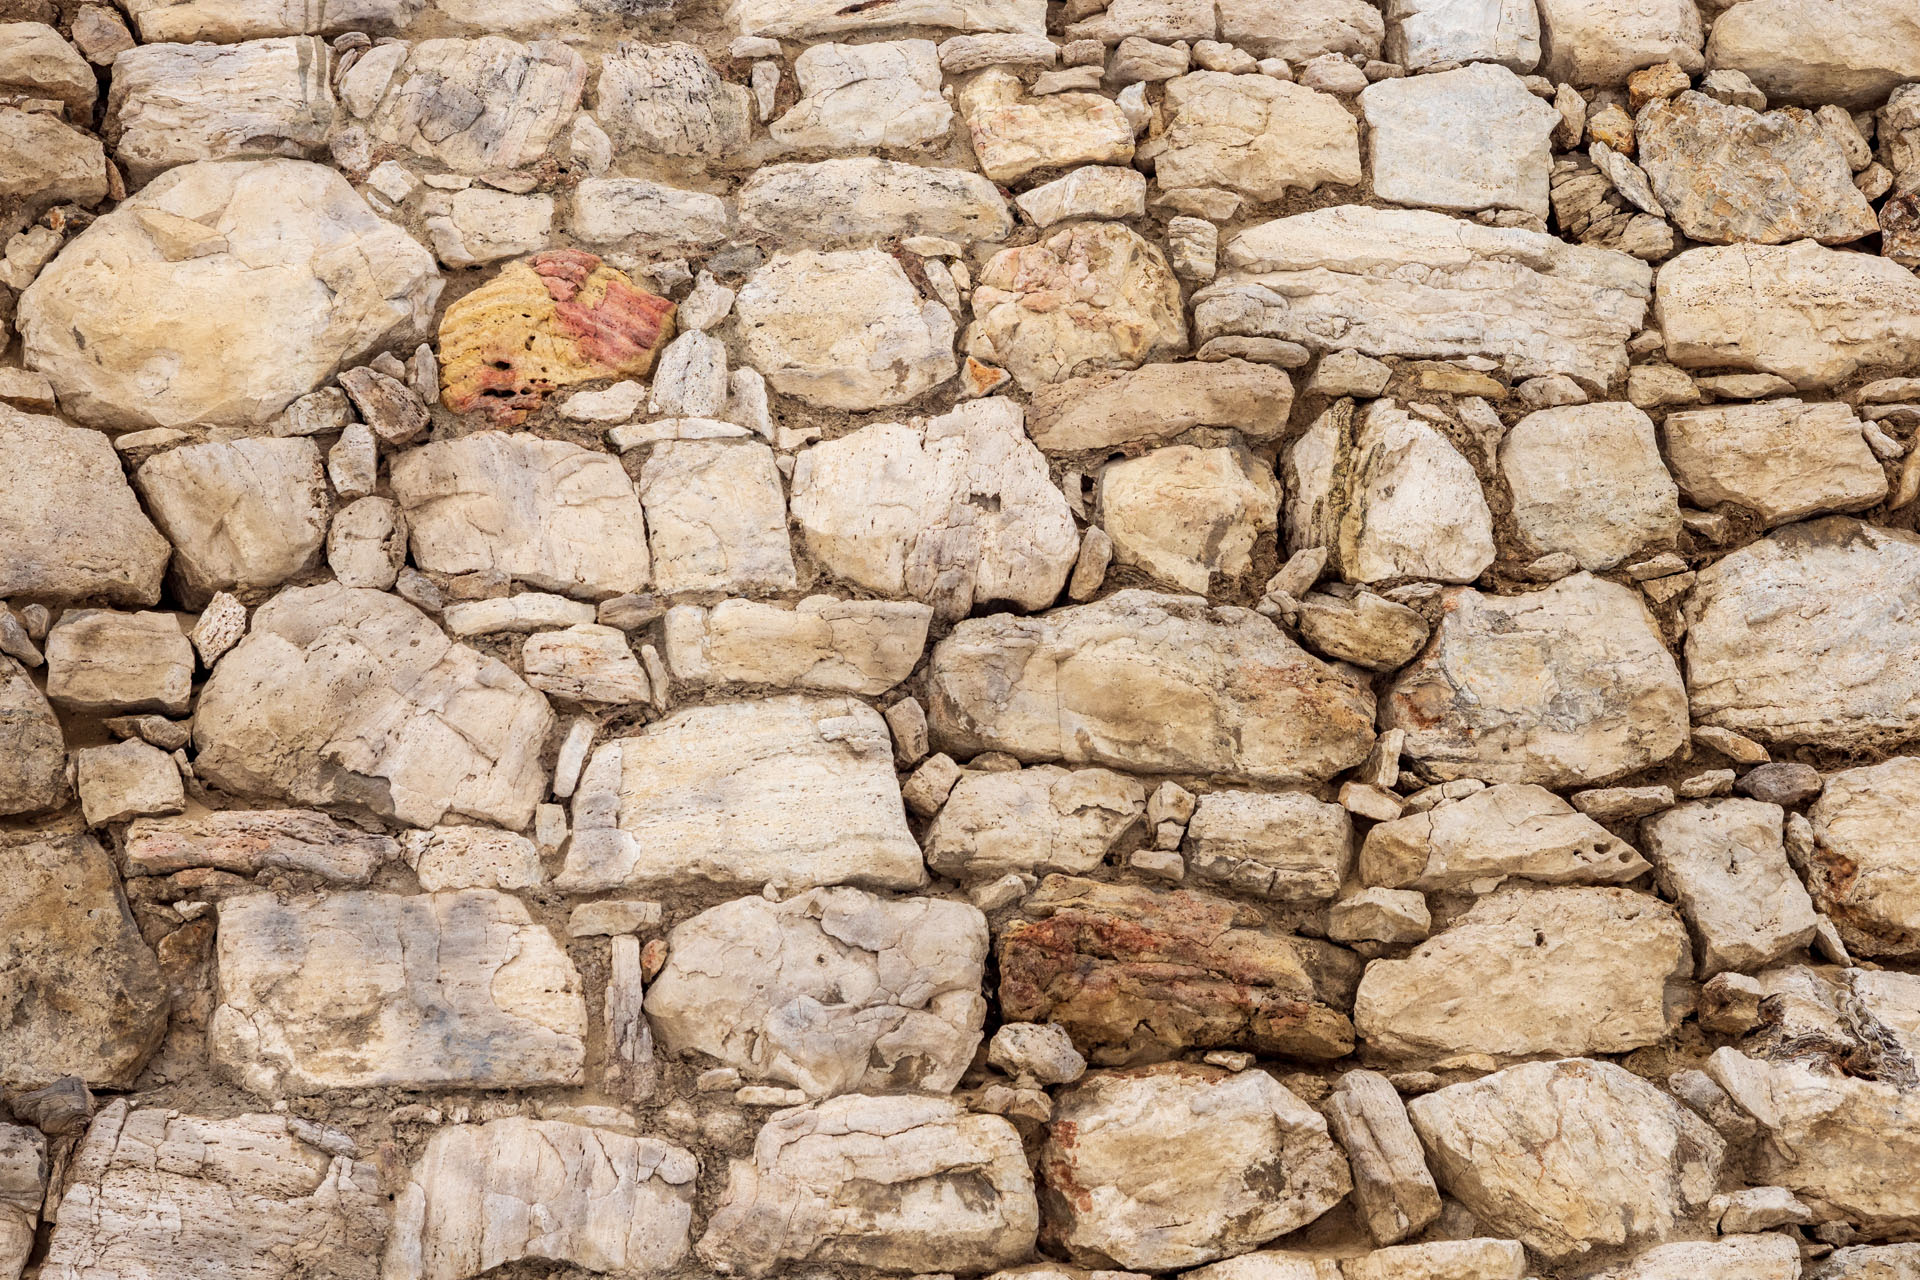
(957, 511)
(353, 697)
(220, 293)
(1172, 1165)
(1032, 820)
(1815, 316)
(70, 527)
(1013, 135)
(1587, 480)
(355, 989)
(80, 991)
(552, 515)
(1509, 829)
(1851, 53)
(885, 94)
(1388, 498)
(1095, 296)
(33, 751)
(173, 104)
(899, 1183)
(102, 662)
(867, 200)
(1563, 686)
(1256, 135)
(667, 99)
(1421, 33)
(1600, 42)
(1782, 459)
(543, 1189)
(472, 105)
(1328, 281)
(1865, 856)
(1825, 658)
(823, 644)
(254, 1195)
(1502, 979)
(244, 515)
(47, 163)
(222, 21)
(1139, 975)
(1185, 514)
(1565, 1156)
(1422, 155)
(1284, 846)
(834, 991)
(844, 330)
(1725, 863)
(793, 790)
(1727, 173)
(716, 518)
(1157, 402)
(1080, 685)
(248, 841)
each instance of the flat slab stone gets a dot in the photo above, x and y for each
(832, 991)
(1523, 972)
(1151, 683)
(1725, 863)
(716, 517)
(785, 18)
(1511, 829)
(788, 790)
(252, 1195)
(1570, 1155)
(820, 644)
(866, 200)
(221, 293)
(1141, 975)
(1567, 686)
(80, 991)
(551, 514)
(355, 990)
(249, 841)
(1421, 33)
(1602, 42)
(898, 1183)
(1157, 402)
(103, 662)
(1587, 480)
(1866, 856)
(1803, 636)
(1298, 30)
(1415, 283)
(1852, 54)
(1469, 139)
(1784, 459)
(353, 697)
(1171, 1165)
(1284, 846)
(223, 21)
(1813, 315)
(482, 1195)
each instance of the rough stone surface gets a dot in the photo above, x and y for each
(1421, 154)
(1285, 846)
(1031, 821)
(1862, 870)
(1850, 54)
(1507, 830)
(1186, 514)
(1256, 135)
(173, 104)
(1421, 33)
(33, 750)
(869, 199)
(76, 529)
(1725, 863)
(1602, 42)
(824, 644)
(1587, 480)
(244, 516)
(1782, 459)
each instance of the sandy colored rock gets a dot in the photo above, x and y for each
(36, 62)
(1141, 975)
(1469, 139)
(1256, 135)
(1566, 686)
(1391, 1186)
(1302, 29)
(834, 991)
(1782, 459)
(249, 841)
(866, 199)
(1415, 283)
(1032, 821)
(550, 514)
(100, 662)
(824, 644)
(1587, 480)
(885, 94)
(367, 543)
(831, 17)
(1569, 1155)
(485, 1194)
(33, 751)
(223, 21)
(640, 214)
(1014, 135)
(351, 697)
(1388, 497)
(1825, 658)
(667, 98)
(80, 991)
(843, 330)
(1157, 402)
(354, 990)
(126, 780)
(559, 319)
(585, 663)
(1534, 971)
(1090, 191)
(1150, 683)
(251, 1196)
(288, 275)
(1724, 862)
(1095, 296)
(1733, 1257)
(898, 1183)
(1284, 846)
(44, 162)
(790, 790)
(1602, 42)
(476, 105)
(1813, 315)
(1421, 33)
(716, 518)
(957, 510)
(242, 515)
(1507, 830)
(1851, 53)
(172, 104)
(1167, 1166)
(1862, 872)
(1185, 514)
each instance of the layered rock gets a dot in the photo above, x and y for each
(865, 200)
(1601, 42)
(885, 94)
(220, 21)
(249, 841)
(1150, 683)
(1421, 33)
(1256, 135)
(667, 99)
(1157, 402)
(831, 17)
(823, 644)
(1506, 830)
(356, 989)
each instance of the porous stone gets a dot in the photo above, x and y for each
(791, 789)
(221, 293)
(172, 104)
(71, 527)
(1186, 514)
(475, 106)
(1782, 459)
(1172, 1165)
(353, 990)
(1032, 821)
(1506, 830)
(249, 841)
(834, 991)
(1588, 480)
(342, 696)
(1284, 846)
(243, 515)
(1469, 139)
(1150, 683)
(1566, 686)
(1256, 135)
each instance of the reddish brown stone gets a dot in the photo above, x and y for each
(1139, 975)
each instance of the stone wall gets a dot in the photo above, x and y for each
(1247, 639)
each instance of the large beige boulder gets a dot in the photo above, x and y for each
(1298, 30)
(1560, 687)
(70, 527)
(866, 200)
(345, 696)
(1187, 514)
(1848, 52)
(1469, 139)
(1028, 821)
(1150, 683)
(220, 294)
(1783, 459)
(356, 990)
(1587, 480)
(1421, 33)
